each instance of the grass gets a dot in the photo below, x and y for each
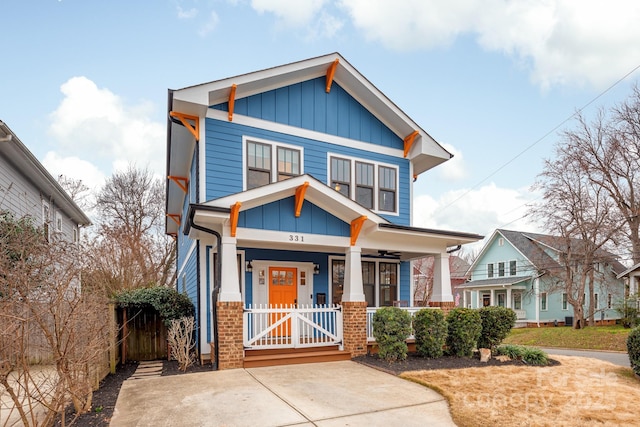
(611, 338)
(578, 392)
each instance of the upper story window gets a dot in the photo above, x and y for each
(268, 162)
(372, 185)
(501, 269)
(512, 268)
(490, 270)
(46, 220)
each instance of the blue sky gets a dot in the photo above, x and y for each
(84, 83)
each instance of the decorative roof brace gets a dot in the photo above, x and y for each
(232, 101)
(408, 142)
(194, 129)
(235, 212)
(180, 181)
(300, 191)
(175, 217)
(331, 71)
(356, 227)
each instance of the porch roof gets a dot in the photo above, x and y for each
(496, 282)
(378, 237)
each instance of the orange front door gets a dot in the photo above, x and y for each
(283, 292)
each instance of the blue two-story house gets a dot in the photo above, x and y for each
(524, 271)
(289, 192)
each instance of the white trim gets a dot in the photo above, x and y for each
(260, 293)
(304, 133)
(202, 158)
(376, 180)
(274, 157)
(187, 256)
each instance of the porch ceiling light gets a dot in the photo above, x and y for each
(248, 266)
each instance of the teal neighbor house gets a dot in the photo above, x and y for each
(522, 271)
(289, 192)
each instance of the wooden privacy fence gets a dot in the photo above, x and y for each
(143, 335)
(294, 326)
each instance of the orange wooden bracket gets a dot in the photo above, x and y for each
(300, 197)
(331, 71)
(408, 142)
(356, 227)
(235, 211)
(175, 217)
(232, 101)
(181, 181)
(194, 129)
(415, 177)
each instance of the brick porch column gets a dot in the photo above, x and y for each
(354, 319)
(230, 347)
(445, 306)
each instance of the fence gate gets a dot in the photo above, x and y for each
(145, 334)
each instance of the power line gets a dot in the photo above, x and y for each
(536, 142)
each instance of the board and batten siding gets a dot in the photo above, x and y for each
(307, 105)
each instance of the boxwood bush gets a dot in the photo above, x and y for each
(463, 330)
(391, 328)
(496, 325)
(633, 348)
(430, 329)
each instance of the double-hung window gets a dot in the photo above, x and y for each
(341, 175)
(364, 184)
(372, 185)
(387, 197)
(267, 163)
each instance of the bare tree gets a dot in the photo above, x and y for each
(130, 249)
(580, 212)
(53, 337)
(76, 189)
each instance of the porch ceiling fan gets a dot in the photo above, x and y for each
(389, 254)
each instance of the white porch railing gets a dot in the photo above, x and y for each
(520, 314)
(292, 326)
(371, 311)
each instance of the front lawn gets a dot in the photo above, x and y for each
(612, 338)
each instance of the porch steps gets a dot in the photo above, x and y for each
(293, 356)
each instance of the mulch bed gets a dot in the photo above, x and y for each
(413, 362)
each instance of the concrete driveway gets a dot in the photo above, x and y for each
(319, 394)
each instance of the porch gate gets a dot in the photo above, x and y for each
(294, 326)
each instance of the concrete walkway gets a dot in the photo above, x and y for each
(615, 357)
(319, 394)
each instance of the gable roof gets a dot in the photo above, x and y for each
(377, 233)
(28, 165)
(532, 247)
(425, 153)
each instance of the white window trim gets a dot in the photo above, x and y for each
(546, 298)
(274, 156)
(377, 261)
(509, 263)
(376, 180)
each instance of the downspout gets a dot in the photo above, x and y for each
(216, 284)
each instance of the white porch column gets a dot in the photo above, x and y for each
(229, 286)
(441, 279)
(353, 289)
(508, 298)
(492, 298)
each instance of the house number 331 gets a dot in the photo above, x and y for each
(296, 238)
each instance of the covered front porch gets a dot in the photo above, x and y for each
(506, 292)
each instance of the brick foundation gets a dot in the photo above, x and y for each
(230, 347)
(354, 320)
(445, 306)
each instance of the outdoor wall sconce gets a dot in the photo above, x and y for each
(316, 269)
(248, 266)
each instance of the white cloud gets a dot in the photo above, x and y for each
(97, 126)
(210, 24)
(74, 167)
(187, 14)
(455, 168)
(562, 41)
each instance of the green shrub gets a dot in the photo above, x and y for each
(463, 330)
(391, 328)
(430, 329)
(511, 350)
(170, 303)
(633, 348)
(535, 356)
(496, 325)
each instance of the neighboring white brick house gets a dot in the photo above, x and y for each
(28, 189)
